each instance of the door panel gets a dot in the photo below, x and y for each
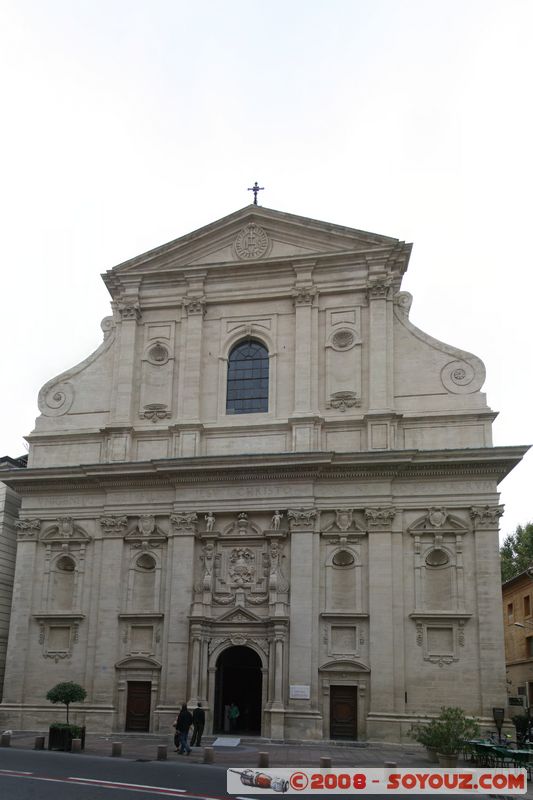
(138, 706)
(343, 712)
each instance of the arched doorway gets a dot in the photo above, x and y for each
(238, 680)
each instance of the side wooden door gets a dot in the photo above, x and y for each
(138, 706)
(343, 712)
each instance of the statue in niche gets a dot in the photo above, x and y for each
(208, 558)
(276, 578)
(276, 520)
(209, 522)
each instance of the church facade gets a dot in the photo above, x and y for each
(266, 487)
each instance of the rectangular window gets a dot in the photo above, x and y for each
(529, 646)
(509, 613)
(527, 606)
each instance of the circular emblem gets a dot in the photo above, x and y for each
(342, 340)
(252, 242)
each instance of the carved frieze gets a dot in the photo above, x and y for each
(242, 569)
(343, 400)
(155, 412)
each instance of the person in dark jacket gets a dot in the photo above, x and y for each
(182, 725)
(198, 721)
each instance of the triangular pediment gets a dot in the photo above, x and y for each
(250, 235)
(240, 616)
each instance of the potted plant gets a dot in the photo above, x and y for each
(425, 733)
(452, 729)
(60, 735)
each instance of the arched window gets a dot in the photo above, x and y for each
(247, 390)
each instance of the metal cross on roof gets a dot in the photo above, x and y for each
(255, 188)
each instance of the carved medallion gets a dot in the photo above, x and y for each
(343, 340)
(251, 242)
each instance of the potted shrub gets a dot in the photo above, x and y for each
(452, 729)
(425, 733)
(60, 735)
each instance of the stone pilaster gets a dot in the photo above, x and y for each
(492, 686)
(381, 606)
(20, 630)
(180, 577)
(380, 343)
(303, 715)
(129, 314)
(194, 306)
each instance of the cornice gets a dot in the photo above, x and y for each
(495, 462)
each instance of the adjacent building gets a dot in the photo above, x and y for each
(268, 487)
(517, 596)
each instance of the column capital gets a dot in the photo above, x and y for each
(129, 310)
(185, 523)
(301, 519)
(379, 288)
(486, 516)
(194, 306)
(380, 518)
(28, 528)
(304, 295)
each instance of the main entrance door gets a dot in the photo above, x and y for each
(138, 706)
(343, 712)
(239, 681)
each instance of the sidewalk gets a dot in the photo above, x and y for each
(143, 747)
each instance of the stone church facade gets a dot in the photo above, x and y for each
(267, 487)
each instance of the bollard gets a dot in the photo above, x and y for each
(209, 755)
(161, 752)
(263, 760)
(5, 740)
(75, 747)
(116, 749)
(39, 743)
(325, 762)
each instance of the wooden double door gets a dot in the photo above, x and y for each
(343, 712)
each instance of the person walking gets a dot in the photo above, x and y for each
(182, 724)
(198, 721)
(234, 714)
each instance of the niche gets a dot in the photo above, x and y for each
(63, 583)
(144, 575)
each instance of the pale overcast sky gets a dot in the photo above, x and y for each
(126, 124)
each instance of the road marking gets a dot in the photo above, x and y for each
(15, 772)
(121, 785)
